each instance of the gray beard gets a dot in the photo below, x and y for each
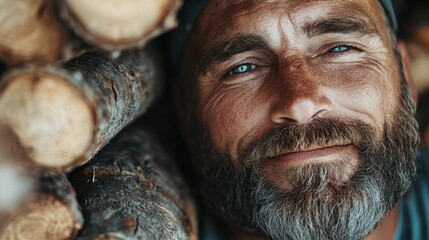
(320, 204)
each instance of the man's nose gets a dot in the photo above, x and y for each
(298, 98)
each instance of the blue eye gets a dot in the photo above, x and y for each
(244, 68)
(340, 49)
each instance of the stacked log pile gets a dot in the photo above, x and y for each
(77, 106)
(73, 75)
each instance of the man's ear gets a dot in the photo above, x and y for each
(403, 51)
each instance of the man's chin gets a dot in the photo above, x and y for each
(328, 210)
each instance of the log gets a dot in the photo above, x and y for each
(132, 190)
(113, 25)
(63, 115)
(15, 183)
(52, 212)
(30, 31)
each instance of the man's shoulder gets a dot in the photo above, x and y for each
(414, 220)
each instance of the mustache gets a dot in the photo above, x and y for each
(322, 132)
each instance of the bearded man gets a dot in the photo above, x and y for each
(299, 118)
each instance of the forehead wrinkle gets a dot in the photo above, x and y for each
(249, 8)
(285, 23)
(226, 8)
(338, 24)
(228, 21)
(348, 12)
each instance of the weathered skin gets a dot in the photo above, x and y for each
(272, 94)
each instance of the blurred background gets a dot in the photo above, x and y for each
(413, 18)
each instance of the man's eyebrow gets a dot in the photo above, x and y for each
(223, 50)
(339, 25)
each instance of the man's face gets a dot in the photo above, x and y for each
(298, 105)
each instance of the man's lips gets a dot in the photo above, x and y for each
(346, 155)
(320, 153)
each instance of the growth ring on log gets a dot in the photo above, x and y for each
(116, 25)
(29, 31)
(31, 104)
(47, 218)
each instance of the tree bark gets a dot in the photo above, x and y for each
(132, 190)
(62, 116)
(110, 25)
(50, 213)
(30, 31)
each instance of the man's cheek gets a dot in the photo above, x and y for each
(363, 93)
(232, 116)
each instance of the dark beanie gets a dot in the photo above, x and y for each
(192, 8)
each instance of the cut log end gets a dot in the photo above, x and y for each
(113, 26)
(30, 32)
(52, 104)
(46, 218)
